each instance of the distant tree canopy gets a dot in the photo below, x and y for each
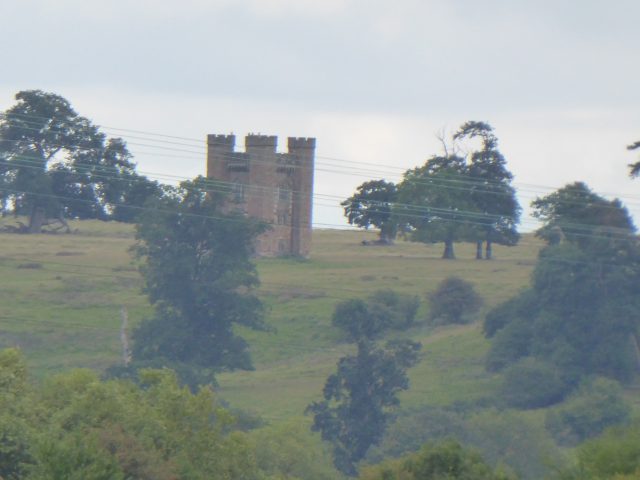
(634, 168)
(57, 164)
(371, 206)
(454, 198)
(577, 214)
(199, 277)
(581, 315)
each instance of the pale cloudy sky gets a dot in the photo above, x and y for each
(374, 81)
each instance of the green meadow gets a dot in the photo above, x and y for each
(63, 296)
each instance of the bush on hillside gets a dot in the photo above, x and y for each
(454, 301)
(533, 383)
(372, 317)
(595, 406)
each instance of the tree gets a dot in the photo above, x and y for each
(577, 214)
(199, 276)
(596, 405)
(613, 455)
(491, 192)
(433, 205)
(581, 314)
(371, 205)
(56, 164)
(370, 318)
(358, 398)
(634, 168)
(447, 460)
(453, 301)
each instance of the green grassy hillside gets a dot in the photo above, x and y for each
(62, 298)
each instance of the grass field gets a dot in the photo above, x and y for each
(62, 298)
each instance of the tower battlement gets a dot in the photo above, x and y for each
(262, 188)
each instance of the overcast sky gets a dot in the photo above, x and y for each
(373, 81)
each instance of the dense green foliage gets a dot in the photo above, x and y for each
(596, 405)
(581, 314)
(371, 206)
(491, 191)
(431, 205)
(372, 317)
(199, 276)
(445, 461)
(578, 215)
(533, 383)
(615, 455)
(77, 427)
(57, 164)
(502, 437)
(358, 398)
(454, 301)
(454, 198)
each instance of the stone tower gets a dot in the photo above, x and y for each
(274, 187)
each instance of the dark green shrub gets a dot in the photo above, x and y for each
(454, 301)
(532, 383)
(401, 308)
(509, 345)
(588, 412)
(370, 318)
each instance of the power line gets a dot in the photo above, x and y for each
(362, 172)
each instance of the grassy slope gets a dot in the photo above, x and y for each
(61, 299)
(293, 362)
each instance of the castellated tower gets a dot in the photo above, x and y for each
(274, 187)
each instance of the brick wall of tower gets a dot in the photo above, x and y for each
(274, 187)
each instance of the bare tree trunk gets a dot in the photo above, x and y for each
(479, 250)
(489, 250)
(636, 349)
(124, 338)
(448, 253)
(36, 221)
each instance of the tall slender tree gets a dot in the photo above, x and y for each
(491, 191)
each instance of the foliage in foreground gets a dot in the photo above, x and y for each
(445, 461)
(502, 437)
(615, 455)
(76, 426)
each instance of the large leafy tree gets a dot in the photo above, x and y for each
(490, 187)
(434, 205)
(371, 206)
(357, 399)
(55, 163)
(199, 276)
(578, 215)
(581, 314)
